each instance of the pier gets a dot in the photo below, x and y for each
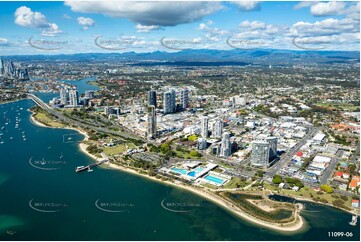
(89, 167)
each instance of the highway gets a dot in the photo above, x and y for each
(70, 121)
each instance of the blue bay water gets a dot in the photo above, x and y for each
(74, 196)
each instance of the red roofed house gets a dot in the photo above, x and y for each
(341, 174)
(354, 182)
(355, 203)
(299, 153)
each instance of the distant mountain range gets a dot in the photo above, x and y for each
(212, 57)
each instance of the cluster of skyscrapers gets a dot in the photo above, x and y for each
(69, 97)
(217, 132)
(170, 100)
(10, 70)
(264, 151)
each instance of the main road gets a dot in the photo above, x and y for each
(331, 167)
(77, 123)
(288, 155)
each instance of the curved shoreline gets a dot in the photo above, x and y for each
(12, 101)
(295, 227)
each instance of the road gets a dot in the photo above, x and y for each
(356, 153)
(331, 167)
(68, 120)
(287, 156)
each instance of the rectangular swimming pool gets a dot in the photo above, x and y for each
(179, 170)
(214, 179)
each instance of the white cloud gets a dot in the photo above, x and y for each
(258, 29)
(321, 9)
(146, 28)
(52, 30)
(328, 26)
(25, 17)
(85, 22)
(4, 42)
(248, 5)
(149, 13)
(304, 4)
(252, 25)
(327, 9)
(66, 16)
(213, 34)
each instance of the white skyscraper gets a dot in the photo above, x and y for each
(225, 145)
(204, 127)
(152, 122)
(217, 129)
(73, 97)
(260, 153)
(63, 96)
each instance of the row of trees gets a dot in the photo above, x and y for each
(277, 179)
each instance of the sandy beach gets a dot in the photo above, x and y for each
(83, 147)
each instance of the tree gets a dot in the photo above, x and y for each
(192, 137)
(195, 153)
(259, 173)
(277, 179)
(326, 188)
(165, 147)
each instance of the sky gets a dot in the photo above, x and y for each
(70, 27)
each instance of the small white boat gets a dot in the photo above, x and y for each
(353, 222)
